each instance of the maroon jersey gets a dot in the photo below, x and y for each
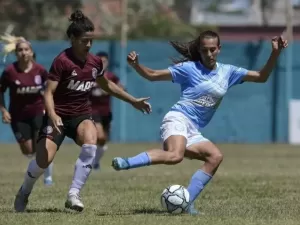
(26, 99)
(75, 82)
(100, 100)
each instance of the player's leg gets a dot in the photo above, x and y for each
(36, 124)
(22, 132)
(202, 149)
(86, 137)
(102, 126)
(107, 125)
(174, 135)
(48, 142)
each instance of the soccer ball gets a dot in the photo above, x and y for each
(175, 199)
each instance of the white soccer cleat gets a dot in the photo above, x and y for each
(74, 202)
(21, 201)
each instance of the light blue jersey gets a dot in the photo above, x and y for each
(202, 90)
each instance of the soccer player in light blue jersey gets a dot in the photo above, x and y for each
(204, 82)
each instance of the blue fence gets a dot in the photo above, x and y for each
(250, 113)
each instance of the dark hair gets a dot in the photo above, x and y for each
(102, 54)
(80, 24)
(190, 50)
(34, 56)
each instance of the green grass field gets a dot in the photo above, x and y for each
(256, 184)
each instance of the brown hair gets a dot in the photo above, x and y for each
(190, 50)
(80, 24)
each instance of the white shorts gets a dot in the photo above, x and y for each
(176, 123)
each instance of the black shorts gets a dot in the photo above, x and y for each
(27, 129)
(103, 120)
(69, 129)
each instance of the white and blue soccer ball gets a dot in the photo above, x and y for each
(175, 199)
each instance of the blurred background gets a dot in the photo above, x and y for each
(250, 113)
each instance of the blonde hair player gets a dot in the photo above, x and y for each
(25, 80)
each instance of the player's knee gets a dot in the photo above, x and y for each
(90, 137)
(174, 158)
(26, 148)
(43, 159)
(215, 159)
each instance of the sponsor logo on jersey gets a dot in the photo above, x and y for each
(81, 85)
(29, 89)
(208, 101)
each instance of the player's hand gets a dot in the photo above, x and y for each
(279, 43)
(6, 118)
(57, 122)
(132, 58)
(142, 105)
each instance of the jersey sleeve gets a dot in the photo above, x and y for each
(56, 70)
(236, 75)
(4, 83)
(44, 75)
(180, 72)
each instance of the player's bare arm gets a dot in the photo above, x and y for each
(147, 73)
(6, 118)
(278, 43)
(49, 103)
(118, 92)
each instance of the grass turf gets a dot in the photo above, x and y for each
(256, 184)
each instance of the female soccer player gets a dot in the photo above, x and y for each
(25, 80)
(102, 111)
(72, 75)
(204, 82)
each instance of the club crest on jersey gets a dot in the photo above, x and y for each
(94, 73)
(17, 82)
(48, 130)
(74, 73)
(38, 79)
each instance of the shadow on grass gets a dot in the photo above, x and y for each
(40, 210)
(50, 210)
(143, 211)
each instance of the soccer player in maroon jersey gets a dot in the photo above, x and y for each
(25, 80)
(101, 110)
(72, 75)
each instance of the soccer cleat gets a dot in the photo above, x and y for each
(48, 182)
(120, 163)
(21, 201)
(191, 210)
(74, 202)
